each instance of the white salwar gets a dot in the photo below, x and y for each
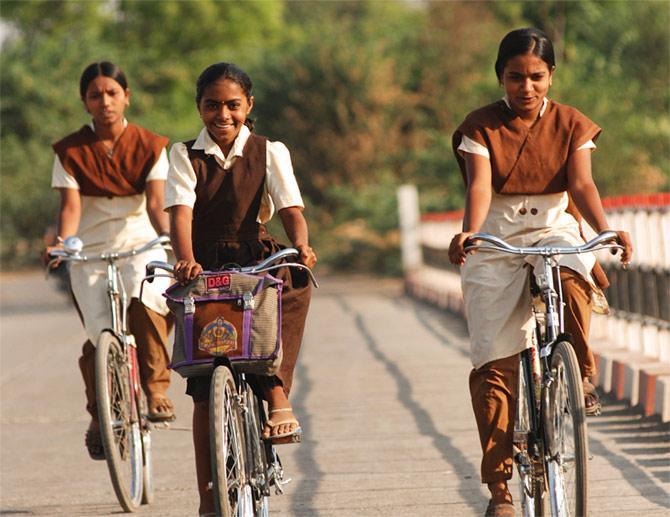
(496, 285)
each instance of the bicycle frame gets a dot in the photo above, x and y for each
(545, 434)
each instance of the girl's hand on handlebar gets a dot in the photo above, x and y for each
(627, 253)
(186, 270)
(456, 252)
(46, 257)
(307, 255)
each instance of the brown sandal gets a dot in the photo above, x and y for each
(94, 446)
(155, 415)
(592, 405)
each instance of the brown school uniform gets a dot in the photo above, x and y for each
(529, 207)
(225, 231)
(114, 217)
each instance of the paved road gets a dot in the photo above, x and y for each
(381, 392)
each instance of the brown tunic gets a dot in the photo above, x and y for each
(225, 231)
(84, 156)
(529, 160)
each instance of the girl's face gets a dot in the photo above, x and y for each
(526, 79)
(223, 108)
(106, 101)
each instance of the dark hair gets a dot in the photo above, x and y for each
(221, 71)
(105, 69)
(523, 41)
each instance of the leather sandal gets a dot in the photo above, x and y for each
(499, 509)
(160, 416)
(592, 405)
(293, 436)
(93, 443)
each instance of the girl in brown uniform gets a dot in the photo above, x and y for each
(222, 187)
(520, 158)
(111, 176)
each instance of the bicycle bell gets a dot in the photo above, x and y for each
(73, 245)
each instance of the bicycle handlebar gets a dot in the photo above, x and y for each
(72, 247)
(497, 244)
(269, 264)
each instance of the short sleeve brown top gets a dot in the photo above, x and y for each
(527, 160)
(124, 173)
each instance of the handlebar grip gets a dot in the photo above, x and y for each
(148, 273)
(58, 253)
(150, 269)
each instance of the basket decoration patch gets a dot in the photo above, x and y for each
(218, 337)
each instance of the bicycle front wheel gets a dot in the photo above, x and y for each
(147, 458)
(226, 439)
(119, 420)
(565, 426)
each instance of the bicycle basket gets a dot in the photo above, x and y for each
(227, 313)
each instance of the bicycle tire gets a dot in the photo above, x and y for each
(119, 422)
(257, 470)
(531, 483)
(147, 456)
(227, 449)
(565, 428)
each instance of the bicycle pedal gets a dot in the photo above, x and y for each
(279, 483)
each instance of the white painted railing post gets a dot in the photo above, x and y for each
(410, 218)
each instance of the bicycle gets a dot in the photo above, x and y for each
(550, 440)
(245, 467)
(122, 407)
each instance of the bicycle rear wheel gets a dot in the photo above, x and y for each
(119, 421)
(227, 448)
(565, 426)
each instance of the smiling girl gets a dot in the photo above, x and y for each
(222, 188)
(526, 162)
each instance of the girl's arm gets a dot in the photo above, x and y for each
(181, 219)
(154, 192)
(69, 215)
(585, 194)
(477, 202)
(296, 230)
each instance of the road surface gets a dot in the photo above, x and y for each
(381, 392)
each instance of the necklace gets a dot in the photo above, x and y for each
(109, 148)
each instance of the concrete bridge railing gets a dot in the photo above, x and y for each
(632, 343)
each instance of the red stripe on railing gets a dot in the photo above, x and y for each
(637, 201)
(658, 199)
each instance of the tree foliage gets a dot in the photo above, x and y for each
(365, 94)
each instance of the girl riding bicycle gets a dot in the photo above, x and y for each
(111, 176)
(526, 162)
(222, 188)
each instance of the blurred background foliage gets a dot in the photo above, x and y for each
(365, 94)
